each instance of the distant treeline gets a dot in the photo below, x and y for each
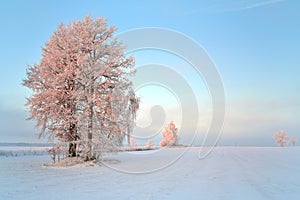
(24, 144)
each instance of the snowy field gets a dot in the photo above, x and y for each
(227, 173)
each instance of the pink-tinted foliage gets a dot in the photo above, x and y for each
(132, 142)
(170, 137)
(81, 89)
(281, 138)
(149, 144)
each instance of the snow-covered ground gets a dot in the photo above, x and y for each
(227, 173)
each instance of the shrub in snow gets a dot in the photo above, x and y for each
(132, 142)
(149, 144)
(58, 151)
(281, 138)
(169, 134)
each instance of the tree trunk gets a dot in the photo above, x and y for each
(90, 132)
(74, 137)
(72, 149)
(128, 134)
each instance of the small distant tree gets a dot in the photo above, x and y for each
(132, 142)
(170, 137)
(281, 138)
(294, 140)
(149, 144)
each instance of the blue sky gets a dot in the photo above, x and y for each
(254, 44)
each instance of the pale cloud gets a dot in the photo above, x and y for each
(203, 7)
(260, 4)
(256, 118)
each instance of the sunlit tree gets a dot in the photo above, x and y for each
(170, 137)
(81, 91)
(149, 144)
(281, 138)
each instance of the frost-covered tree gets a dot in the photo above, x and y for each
(149, 144)
(53, 104)
(82, 94)
(294, 140)
(281, 138)
(170, 137)
(132, 142)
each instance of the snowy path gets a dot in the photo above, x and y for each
(228, 173)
